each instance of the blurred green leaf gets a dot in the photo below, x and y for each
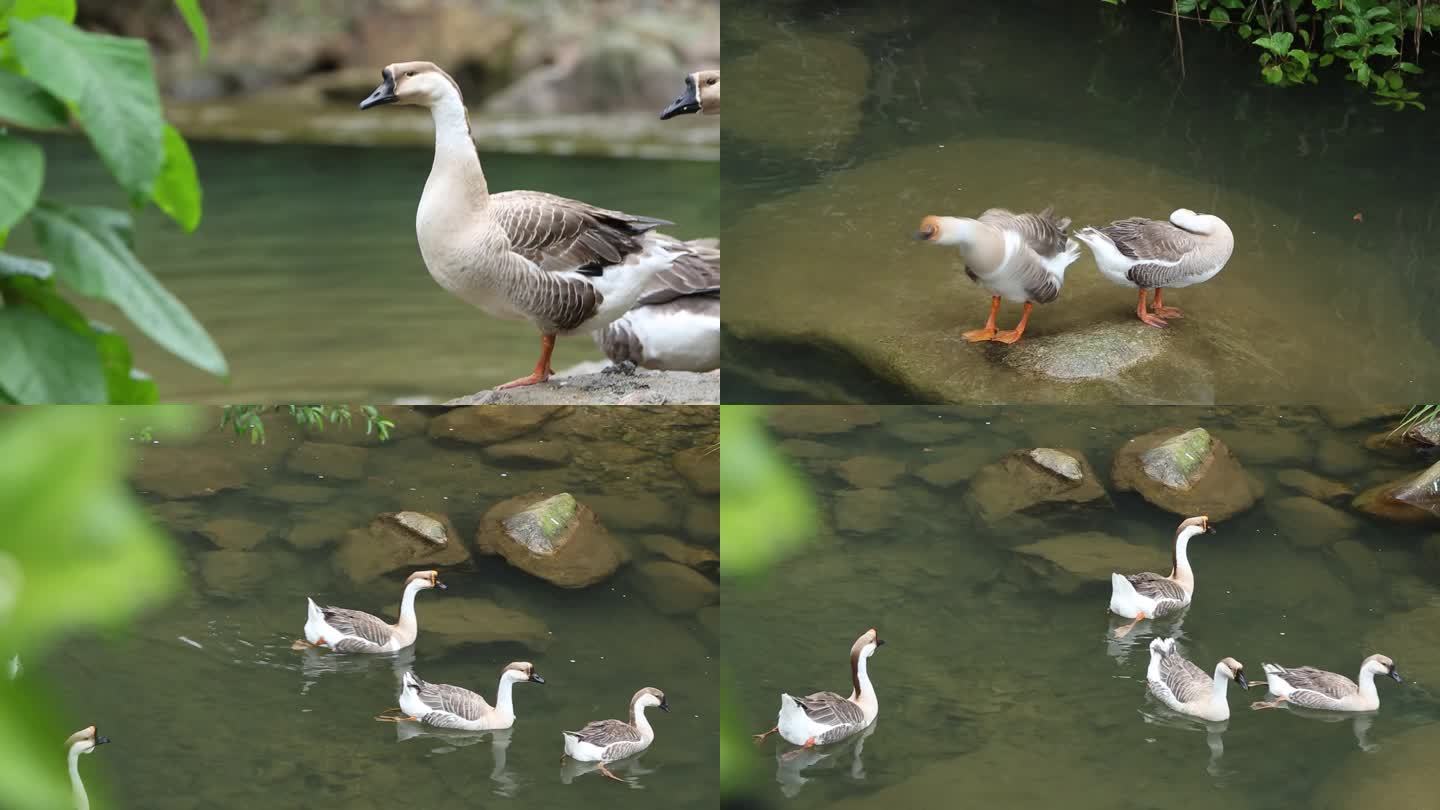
(124, 384)
(177, 191)
(25, 103)
(43, 362)
(195, 21)
(24, 172)
(766, 512)
(34, 9)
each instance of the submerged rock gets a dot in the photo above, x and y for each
(639, 511)
(812, 102)
(701, 559)
(865, 510)
(1312, 485)
(530, 453)
(700, 467)
(1029, 479)
(674, 589)
(1309, 523)
(185, 472)
(1186, 472)
(1412, 638)
(238, 573)
(1101, 352)
(328, 460)
(457, 620)
(557, 539)
(1359, 562)
(486, 426)
(956, 465)
(319, 528)
(821, 420)
(1403, 775)
(871, 472)
(399, 540)
(1409, 500)
(1074, 561)
(303, 494)
(235, 534)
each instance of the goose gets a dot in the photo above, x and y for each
(445, 706)
(1312, 688)
(1152, 254)
(1149, 596)
(675, 326)
(702, 95)
(1186, 688)
(353, 631)
(605, 741)
(566, 266)
(1018, 257)
(826, 717)
(84, 741)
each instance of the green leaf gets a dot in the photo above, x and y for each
(91, 257)
(12, 265)
(195, 21)
(177, 191)
(20, 182)
(123, 383)
(111, 83)
(1326, 59)
(1381, 30)
(24, 103)
(35, 9)
(1362, 73)
(46, 363)
(1273, 74)
(1346, 40)
(767, 512)
(1246, 31)
(1395, 80)
(1301, 57)
(1385, 49)
(1219, 16)
(1278, 43)
(1409, 67)
(1378, 11)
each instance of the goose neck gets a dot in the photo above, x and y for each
(1221, 685)
(456, 160)
(82, 799)
(637, 719)
(504, 699)
(408, 623)
(1181, 559)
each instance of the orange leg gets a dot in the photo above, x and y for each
(988, 331)
(607, 772)
(1146, 316)
(760, 738)
(1268, 704)
(1012, 335)
(810, 743)
(1163, 311)
(542, 370)
(1121, 632)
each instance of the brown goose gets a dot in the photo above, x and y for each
(827, 717)
(566, 266)
(676, 323)
(354, 631)
(702, 95)
(608, 740)
(1151, 254)
(1149, 595)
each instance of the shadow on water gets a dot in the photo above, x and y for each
(209, 705)
(1002, 683)
(853, 120)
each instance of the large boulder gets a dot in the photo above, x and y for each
(1187, 472)
(326, 460)
(485, 426)
(400, 540)
(1074, 561)
(457, 620)
(1409, 500)
(1030, 480)
(674, 589)
(185, 472)
(557, 539)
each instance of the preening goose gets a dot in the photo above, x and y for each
(1186, 688)
(1148, 595)
(354, 631)
(445, 706)
(1017, 257)
(675, 326)
(608, 740)
(826, 717)
(1153, 254)
(1317, 689)
(566, 266)
(702, 95)
(84, 741)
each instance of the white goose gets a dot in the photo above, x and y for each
(445, 706)
(1148, 595)
(1313, 688)
(675, 326)
(354, 631)
(84, 741)
(826, 717)
(1186, 688)
(702, 95)
(1152, 254)
(605, 741)
(566, 266)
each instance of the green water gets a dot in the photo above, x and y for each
(306, 272)
(207, 705)
(848, 122)
(996, 690)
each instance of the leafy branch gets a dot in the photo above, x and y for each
(249, 420)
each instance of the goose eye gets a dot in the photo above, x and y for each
(409, 73)
(711, 81)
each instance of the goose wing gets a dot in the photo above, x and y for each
(442, 697)
(560, 234)
(1043, 233)
(1157, 587)
(359, 624)
(1187, 682)
(695, 272)
(1160, 249)
(830, 709)
(605, 733)
(1317, 688)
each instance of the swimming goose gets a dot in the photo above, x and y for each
(608, 740)
(1018, 257)
(1186, 688)
(1152, 254)
(702, 95)
(84, 741)
(353, 631)
(1148, 596)
(1317, 689)
(675, 326)
(826, 717)
(566, 266)
(445, 706)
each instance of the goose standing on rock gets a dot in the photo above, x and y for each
(675, 326)
(566, 266)
(1313, 688)
(1152, 254)
(354, 631)
(1017, 257)
(84, 741)
(826, 717)
(1149, 596)
(605, 741)
(1184, 687)
(702, 95)
(445, 706)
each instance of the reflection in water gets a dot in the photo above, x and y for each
(790, 766)
(1156, 714)
(628, 770)
(454, 739)
(1138, 638)
(317, 663)
(1360, 721)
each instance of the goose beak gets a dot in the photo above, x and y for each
(101, 740)
(664, 706)
(879, 642)
(1395, 674)
(686, 104)
(1242, 680)
(384, 94)
(535, 678)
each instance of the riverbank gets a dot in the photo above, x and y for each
(609, 388)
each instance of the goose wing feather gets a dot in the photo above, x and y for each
(1186, 681)
(359, 624)
(561, 234)
(453, 700)
(830, 709)
(1316, 688)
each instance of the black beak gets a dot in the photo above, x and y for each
(1241, 679)
(687, 103)
(664, 706)
(1210, 528)
(384, 94)
(440, 585)
(879, 642)
(101, 740)
(1395, 673)
(535, 678)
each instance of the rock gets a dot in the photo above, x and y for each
(932, 429)
(185, 472)
(820, 420)
(700, 467)
(807, 449)
(1185, 472)
(674, 589)
(1272, 444)
(529, 453)
(582, 387)
(1344, 417)
(1338, 456)
(396, 541)
(239, 573)
(320, 528)
(485, 426)
(433, 529)
(1074, 561)
(1425, 434)
(557, 539)
(178, 516)
(1412, 638)
(812, 105)
(701, 559)
(1404, 775)
(1029, 479)
(871, 472)
(1422, 491)
(328, 460)
(865, 510)
(641, 511)
(956, 465)
(1410, 500)
(1321, 489)
(1359, 562)
(1101, 352)
(303, 494)
(702, 522)
(234, 534)
(453, 621)
(1309, 523)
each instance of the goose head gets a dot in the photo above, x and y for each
(866, 645)
(425, 580)
(85, 741)
(1236, 671)
(946, 230)
(1382, 665)
(650, 696)
(1203, 224)
(423, 84)
(702, 95)
(1195, 525)
(521, 672)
